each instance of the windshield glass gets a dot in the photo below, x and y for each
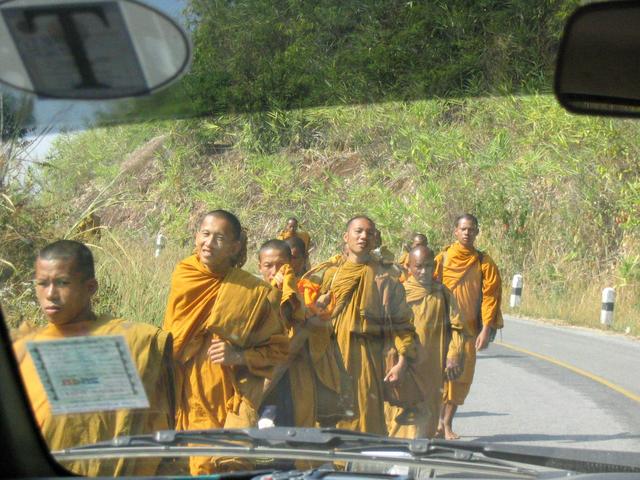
(371, 216)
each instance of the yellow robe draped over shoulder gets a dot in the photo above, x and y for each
(477, 289)
(237, 308)
(441, 335)
(360, 322)
(151, 351)
(302, 235)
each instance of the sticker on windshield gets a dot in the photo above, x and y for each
(88, 374)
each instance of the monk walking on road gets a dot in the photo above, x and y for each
(474, 279)
(228, 336)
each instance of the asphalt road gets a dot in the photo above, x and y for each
(584, 393)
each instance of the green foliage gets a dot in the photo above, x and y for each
(259, 55)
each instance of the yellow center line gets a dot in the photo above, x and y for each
(579, 371)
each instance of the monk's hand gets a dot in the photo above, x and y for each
(323, 301)
(453, 369)
(279, 279)
(396, 373)
(482, 341)
(222, 353)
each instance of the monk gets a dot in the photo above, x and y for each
(227, 334)
(474, 279)
(311, 361)
(65, 284)
(299, 255)
(403, 261)
(291, 229)
(381, 252)
(441, 334)
(369, 304)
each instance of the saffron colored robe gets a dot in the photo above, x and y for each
(151, 351)
(478, 291)
(241, 310)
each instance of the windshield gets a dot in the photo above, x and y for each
(371, 216)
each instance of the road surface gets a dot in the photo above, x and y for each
(555, 386)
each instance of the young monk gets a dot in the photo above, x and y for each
(440, 332)
(369, 304)
(227, 331)
(474, 279)
(403, 261)
(65, 284)
(291, 383)
(299, 255)
(311, 360)
(291, 229)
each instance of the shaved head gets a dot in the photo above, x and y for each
(279, 246)
(466, 216)
(231, 219)
(360, 217)
(421, 264)
(272, 256)
(421, 251)
(78, 252)
(419, 239)
(296, 242)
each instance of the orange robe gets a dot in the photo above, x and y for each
(151, 351)
(361, 319)
(240, 309)
(304, 236)
(441, 334)
(299, 365)
(311, 360)
(478, 292)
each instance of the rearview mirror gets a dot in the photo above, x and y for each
(598, 69)
(90, 50)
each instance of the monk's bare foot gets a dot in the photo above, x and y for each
(450, 434)
(439, 433)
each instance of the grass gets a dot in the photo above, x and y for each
(557, 195)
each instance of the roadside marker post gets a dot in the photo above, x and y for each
(608, 301)
(516, 291)
(161, 241)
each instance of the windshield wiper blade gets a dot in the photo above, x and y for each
(344, 443)
(574, 459)
(325, 444)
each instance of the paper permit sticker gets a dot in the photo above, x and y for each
(88, 374)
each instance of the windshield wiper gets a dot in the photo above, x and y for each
(342, 445)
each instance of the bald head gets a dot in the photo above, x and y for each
(71, 251)
(230, 218)
(421, 264)
(298, 255)
(273, 254)
(362, 218)
(360, 238)
(419, 239)
(292, 224)
(279, 246)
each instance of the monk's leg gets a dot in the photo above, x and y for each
(454, 395)
(449, 411)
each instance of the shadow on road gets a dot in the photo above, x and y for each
(535, 437)
(480, 414)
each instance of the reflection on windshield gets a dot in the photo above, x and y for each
(336, 266)
(374, 323)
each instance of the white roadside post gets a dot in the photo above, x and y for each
(608, 300)
(161, 241)
(516, 291)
